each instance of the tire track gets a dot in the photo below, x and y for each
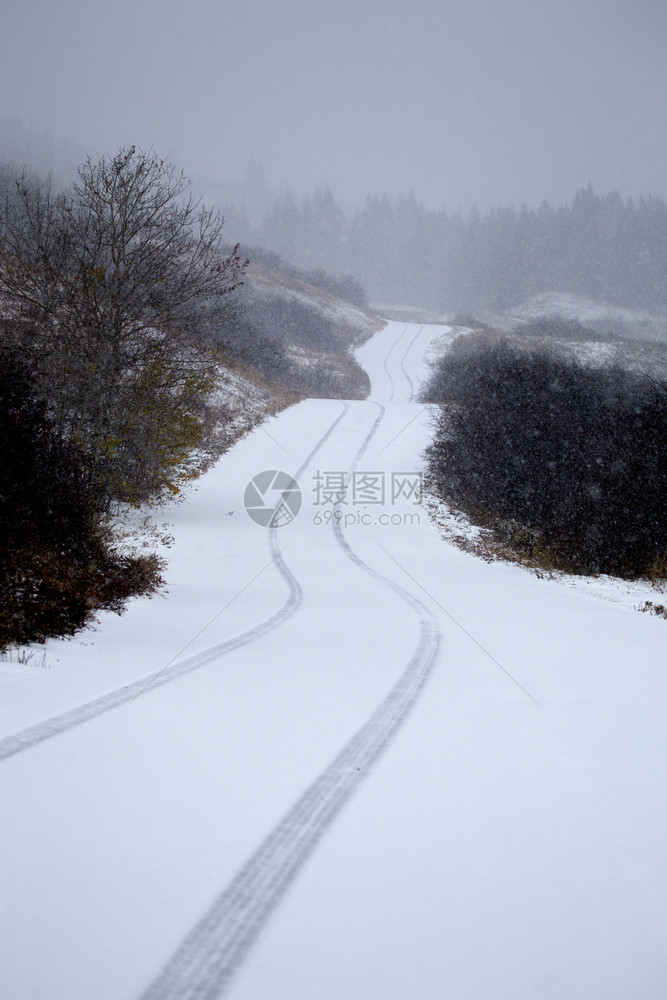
(388, 355)
(33, 735)
(411, 398)
(204, 964)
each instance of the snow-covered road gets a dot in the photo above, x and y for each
(171, 775)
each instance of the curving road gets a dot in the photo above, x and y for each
(204, 962)
(291, 811)
(203, 965)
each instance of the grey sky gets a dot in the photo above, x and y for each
(468, 101)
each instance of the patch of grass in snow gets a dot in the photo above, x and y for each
(26, 657)
(654, 609)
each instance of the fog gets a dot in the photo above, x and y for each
(474, 101)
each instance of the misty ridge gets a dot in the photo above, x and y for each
(396, 251)
(602, 247)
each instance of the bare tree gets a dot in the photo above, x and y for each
(119, 288)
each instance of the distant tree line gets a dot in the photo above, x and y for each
(604, 247)
(567, 464)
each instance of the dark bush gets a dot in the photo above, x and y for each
(345, 286)
(560, 328)
(293, 344)
(292, 321)
(56, 563)
(561, 459)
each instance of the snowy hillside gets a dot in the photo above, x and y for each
(356, 323)
(245, 396)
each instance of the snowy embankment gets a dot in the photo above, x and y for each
(503, 736)
(245, 401)
(266, 282)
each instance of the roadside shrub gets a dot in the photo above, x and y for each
(295, 322)
(291, 343)
(344, 286)
(564, 461)
(57, 564)
(559, 327)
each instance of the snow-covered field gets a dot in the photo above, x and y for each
(341, 759)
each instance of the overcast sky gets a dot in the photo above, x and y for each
(459, 101)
